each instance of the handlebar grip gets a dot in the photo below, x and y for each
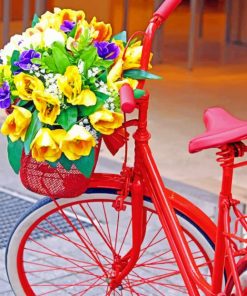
(127, 98)
(166, 8)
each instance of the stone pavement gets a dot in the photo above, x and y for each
(10, 215)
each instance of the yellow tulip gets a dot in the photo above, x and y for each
(78, 142)
(132, 58)
(17, 123)
(104, 30)
(115, 72)
(47, 105)
(70, 85)
(5, 72)
(44, 147)
(106, 121)
(26, 85)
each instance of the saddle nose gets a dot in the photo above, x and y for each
(221, 128)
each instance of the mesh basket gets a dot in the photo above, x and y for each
(43, 179)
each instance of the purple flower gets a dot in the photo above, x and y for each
(5, 101)
(107, 50)
(67, 26)
(25, 59)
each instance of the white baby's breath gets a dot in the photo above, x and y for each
(81, 65)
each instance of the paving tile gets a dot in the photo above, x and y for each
(7, 293)
(4, 286)
(3, 275)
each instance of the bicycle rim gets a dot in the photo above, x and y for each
(50, 253)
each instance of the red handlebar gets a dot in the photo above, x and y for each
(127, 98)
(166, 8)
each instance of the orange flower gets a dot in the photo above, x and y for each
(104, 30)
(71, 15)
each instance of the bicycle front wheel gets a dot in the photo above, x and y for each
(74, 249)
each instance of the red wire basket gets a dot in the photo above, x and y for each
(41, 178)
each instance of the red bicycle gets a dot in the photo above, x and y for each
(129, 234)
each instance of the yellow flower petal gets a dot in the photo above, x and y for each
(115, 72)
(70, 84)
(44, 147)
(132, 82)
(77, 143)
(59, 135)
(5, 71)
(106, 121)
(86, 98)
(26, 85)
(17, 123)
(47, 105)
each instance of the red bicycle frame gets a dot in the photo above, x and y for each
(145, 175)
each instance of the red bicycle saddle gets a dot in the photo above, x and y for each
(221, 128)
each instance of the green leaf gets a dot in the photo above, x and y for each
(101, 95)
(68, 117)
(32, 131)
(36, 61)
(60, 46)
(26, 104)
(14, 154)
(84, 40)
(14, 58)
(65, 162)
(22, 103)
(138, 93)
(86, 111)
(140, 74)
(60, 58)
(52, 164)
(103, 76)
(86, 163)
(103, 63)
(35, 20)
(50, 63)
(121, 36)
(88, 56)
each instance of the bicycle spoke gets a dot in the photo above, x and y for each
(154, 279)
(86, 261)
(62, 257)
(91, 244)
(96, 227)
(54, 267)
(125, 236)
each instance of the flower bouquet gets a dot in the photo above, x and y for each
(59, 82)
